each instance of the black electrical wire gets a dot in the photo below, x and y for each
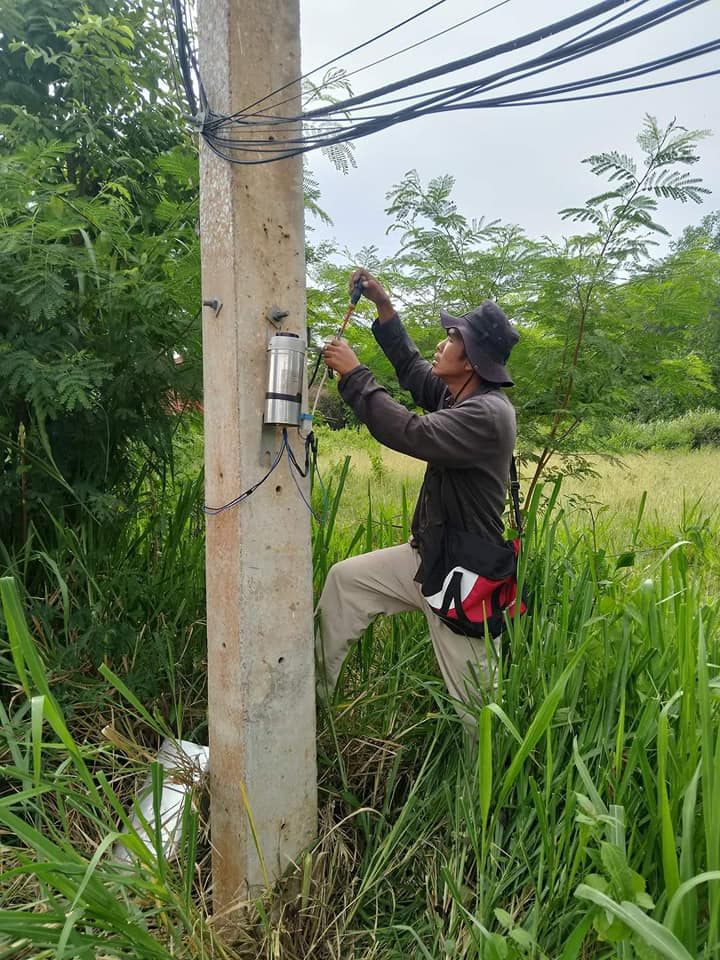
(214, 511)
(313, 377)
(176, 71)
(347, 53)
(311, 464)
(549, 94)
(623, 73)
(318, 519)
(490, 84)
(628, 73)
(508, 46)
(612, 19)
(397, 53)
(294, 467)
(543, 33)
(566, 52)
(272, 121)
(607, 93)
(348, 123)
(505, 102)
(186, 56)
(630, 29)
(242, 117)
(434, 36)
(522, 41)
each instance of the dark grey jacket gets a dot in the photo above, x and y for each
(468, 447)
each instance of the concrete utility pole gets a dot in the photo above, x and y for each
(259, 573)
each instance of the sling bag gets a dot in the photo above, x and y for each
(472, 581)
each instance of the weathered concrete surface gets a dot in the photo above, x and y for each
(259, 575)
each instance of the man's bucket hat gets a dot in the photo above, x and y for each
(488, 337)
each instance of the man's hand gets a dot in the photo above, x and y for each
(375, 292)
(340, 357)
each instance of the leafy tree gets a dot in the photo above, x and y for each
(91, 76)
(698, 250)
(667, 312)
(605, 331)
(98, 194)
(99, 295)
(705, 235)
(622, 223)
(446, 260)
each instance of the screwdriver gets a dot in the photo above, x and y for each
(357, 292)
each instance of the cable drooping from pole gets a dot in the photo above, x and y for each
(266, 136)
(563, 54)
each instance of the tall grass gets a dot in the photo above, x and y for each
(60, 816)
(585, 822)
(130, 595)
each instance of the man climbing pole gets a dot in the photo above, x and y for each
(466, 438)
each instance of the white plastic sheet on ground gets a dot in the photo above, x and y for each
(184, 764)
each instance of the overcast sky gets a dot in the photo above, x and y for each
(519, 164)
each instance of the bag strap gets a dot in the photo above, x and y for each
(453, 596)
(515, 494)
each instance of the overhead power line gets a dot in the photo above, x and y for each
(263, 136)
(528, 96)
(390, 56)
(511, 45)
(360, 46)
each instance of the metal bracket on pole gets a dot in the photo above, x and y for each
(214, 304)
(276, 315)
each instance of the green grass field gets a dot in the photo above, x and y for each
(586, 824)
(680, 484)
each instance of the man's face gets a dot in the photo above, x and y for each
(450, 361)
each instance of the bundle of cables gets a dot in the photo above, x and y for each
(262, 133)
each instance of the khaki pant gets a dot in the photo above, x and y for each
(360, 588)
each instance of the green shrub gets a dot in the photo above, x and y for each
(692, 430)
(705, 429)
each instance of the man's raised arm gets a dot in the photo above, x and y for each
(413, 372)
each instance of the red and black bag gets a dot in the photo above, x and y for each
(472, 582)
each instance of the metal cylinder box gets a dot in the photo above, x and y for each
(286, 368)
